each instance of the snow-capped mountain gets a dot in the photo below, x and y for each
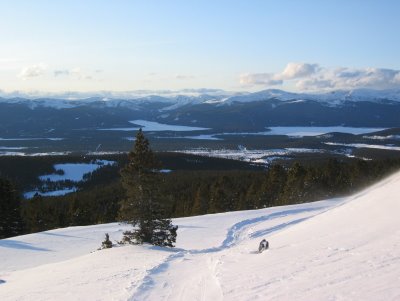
(338, 249)
(332, 97)
(183, 99)
(220, 111)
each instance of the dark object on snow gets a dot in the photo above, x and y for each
(106, 244)
(263, 246)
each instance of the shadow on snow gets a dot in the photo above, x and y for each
(15, 244)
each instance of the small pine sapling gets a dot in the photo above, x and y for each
(106, 244)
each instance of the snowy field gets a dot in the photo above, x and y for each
(254, 156)
(339, 249)
(364, 145)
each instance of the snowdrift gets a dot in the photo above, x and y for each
(338, 249)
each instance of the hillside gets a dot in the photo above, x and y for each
(339, 249)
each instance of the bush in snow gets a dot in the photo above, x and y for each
(106, 244)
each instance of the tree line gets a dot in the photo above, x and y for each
(187, 193)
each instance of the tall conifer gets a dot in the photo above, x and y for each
(10, 215)
(142, 206)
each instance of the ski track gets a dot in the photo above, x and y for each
(204, 284)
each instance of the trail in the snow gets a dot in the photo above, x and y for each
(203, 284)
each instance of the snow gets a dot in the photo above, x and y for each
(12, 147)
(333, 98)
(30, 139)
(364, 145)
(388, 137)
(292, 131)
(254, 155)
(31, 194)
(6, 153)
(151, 126)
(338, 249)
(129, 138)
(176, 99)
(301, 131)
(197, 137)
(100, 153)
(74, 171)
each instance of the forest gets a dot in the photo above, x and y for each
(187, 192)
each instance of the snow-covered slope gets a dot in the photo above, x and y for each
(335, 97)
(340, 249)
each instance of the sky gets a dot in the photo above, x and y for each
(85, 46)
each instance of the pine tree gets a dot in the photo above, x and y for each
(10, 213)
(142, 206)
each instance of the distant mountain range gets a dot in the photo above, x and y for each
(216, 110)
(185, 97)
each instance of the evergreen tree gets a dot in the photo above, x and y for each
(142, 206)
(10, 214)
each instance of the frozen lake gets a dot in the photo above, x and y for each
(292, 131)
(30, 139)
(303, 131)
(74, 171)
(68, 172)
(152, 126)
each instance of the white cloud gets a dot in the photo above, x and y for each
(32, 71)
(298, 70)
(291, 71)
(316, 84)
(267, 79)
(307, 76)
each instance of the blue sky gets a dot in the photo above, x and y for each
(119, 45)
